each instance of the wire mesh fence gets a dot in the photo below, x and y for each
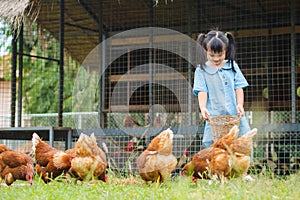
(278, 141)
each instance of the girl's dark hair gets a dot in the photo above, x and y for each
(217, 41)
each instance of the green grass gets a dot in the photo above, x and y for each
(264, 187)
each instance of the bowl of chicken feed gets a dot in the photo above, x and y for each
(221, 125)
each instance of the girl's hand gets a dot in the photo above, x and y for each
(205, 113)
(240, 110)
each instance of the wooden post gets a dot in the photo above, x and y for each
(61, 65)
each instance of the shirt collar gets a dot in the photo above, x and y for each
(212, 70)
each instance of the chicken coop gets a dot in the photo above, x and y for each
(124, 71)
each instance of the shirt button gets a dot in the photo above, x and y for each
(220, 70)
(225, 83)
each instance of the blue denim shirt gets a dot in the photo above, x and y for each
(220, 85)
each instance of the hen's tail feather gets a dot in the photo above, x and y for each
(93, 138)
(84, 140)
(234, 131)
(35, 140)
(250, 134)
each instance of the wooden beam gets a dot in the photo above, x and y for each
(264, 71)
(145, 77)
(167, 38)
(265, 32)
(144, 108)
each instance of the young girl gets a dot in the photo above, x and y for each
(219, 82)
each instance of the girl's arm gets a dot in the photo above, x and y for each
(202, 99)
(240, 101)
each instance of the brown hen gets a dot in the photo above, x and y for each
(50, 162)
(227, 140)
(227, 157)
(241, 149)
(157, 162)
(198, 166)
(207, 162)
(90, 161)
(3, 148)
(15, 166)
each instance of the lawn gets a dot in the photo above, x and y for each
(264, 187)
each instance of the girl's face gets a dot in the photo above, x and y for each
(216, 59)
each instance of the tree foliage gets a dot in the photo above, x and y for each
(41, 75)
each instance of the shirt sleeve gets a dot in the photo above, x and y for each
(199, 82)
(240, 80)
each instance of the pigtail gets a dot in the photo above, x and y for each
(201, 50)
(230, 54)
(200, 39)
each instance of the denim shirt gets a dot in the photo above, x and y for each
(220, 85)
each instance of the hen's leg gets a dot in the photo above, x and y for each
(157, 182)
(41, 172)
(9, 179)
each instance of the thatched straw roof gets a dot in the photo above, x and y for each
(14, 11)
